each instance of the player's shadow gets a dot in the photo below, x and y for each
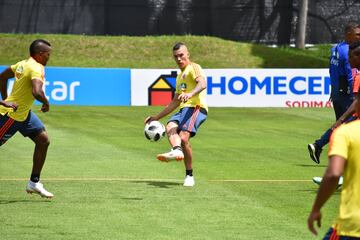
(315, 191)
(23, 201)
(159, 184)
(310, 165)
(131, 198)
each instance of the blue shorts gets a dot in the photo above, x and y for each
(331, 234)
(189, 119)
(31, 127)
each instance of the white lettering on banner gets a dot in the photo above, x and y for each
(61, 89)
(72, 90)
(270, 85)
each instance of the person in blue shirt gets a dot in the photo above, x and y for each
(341, 84)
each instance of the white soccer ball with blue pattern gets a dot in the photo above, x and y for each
(154, 131)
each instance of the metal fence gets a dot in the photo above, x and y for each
(263, 21)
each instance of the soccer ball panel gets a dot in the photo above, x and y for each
(154, 131)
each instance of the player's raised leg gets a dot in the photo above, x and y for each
(176, 152)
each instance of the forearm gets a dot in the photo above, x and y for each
(168, 109)
(40, 96)
(4, 77)
(330, 181)
(38, 92)
(200, 86)
(350, 111)
(327, 188)
(3, 87)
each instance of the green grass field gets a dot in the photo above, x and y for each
(252, 170)
(155, 52)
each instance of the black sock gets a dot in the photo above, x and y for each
(35, 178)
(177, 147)
(189, 172)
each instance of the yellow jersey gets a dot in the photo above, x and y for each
(345, 142)
(21, 93)
(186, 82)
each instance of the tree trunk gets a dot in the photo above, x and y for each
(301, 24)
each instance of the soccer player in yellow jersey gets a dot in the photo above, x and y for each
(191, 98)
(15, 111)
(344, 159)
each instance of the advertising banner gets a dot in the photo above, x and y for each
(86, 86)
(239, 87)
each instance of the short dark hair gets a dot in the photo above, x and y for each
(351, 26)
(35, 46)
(178, 45)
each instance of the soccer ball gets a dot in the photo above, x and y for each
(154, 131)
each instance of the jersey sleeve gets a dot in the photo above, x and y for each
(339, 143)
(37, 71)
(197, 71)
(14, 67)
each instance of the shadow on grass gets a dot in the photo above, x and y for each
(132, 199)
(159, 184)
(310, 165)
(24, 201)
(315, 191)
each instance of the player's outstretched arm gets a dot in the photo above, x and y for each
(168, 109)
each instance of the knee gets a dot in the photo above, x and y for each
(168, 128)
(184, 140)
(45, 141)
(42, 139)
(171, 128)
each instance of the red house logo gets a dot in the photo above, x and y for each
(162, 91)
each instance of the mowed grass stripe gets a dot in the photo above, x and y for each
(156, 180)
(252, 169)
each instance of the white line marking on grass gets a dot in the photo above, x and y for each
(156, 180)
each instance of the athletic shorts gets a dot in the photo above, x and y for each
(331, 235)
(31, 127)
(189, 119)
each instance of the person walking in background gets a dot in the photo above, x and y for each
(350, 114)
(16, 114)
(183, 125)
(344, 159)
(341, 84)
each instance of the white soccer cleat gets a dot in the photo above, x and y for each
(340, 183)
(174, 154)
(318, 180)
(38, 188)
(189, 181)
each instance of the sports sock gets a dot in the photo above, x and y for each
(189, 172)
(177, 147)
(35, 178)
